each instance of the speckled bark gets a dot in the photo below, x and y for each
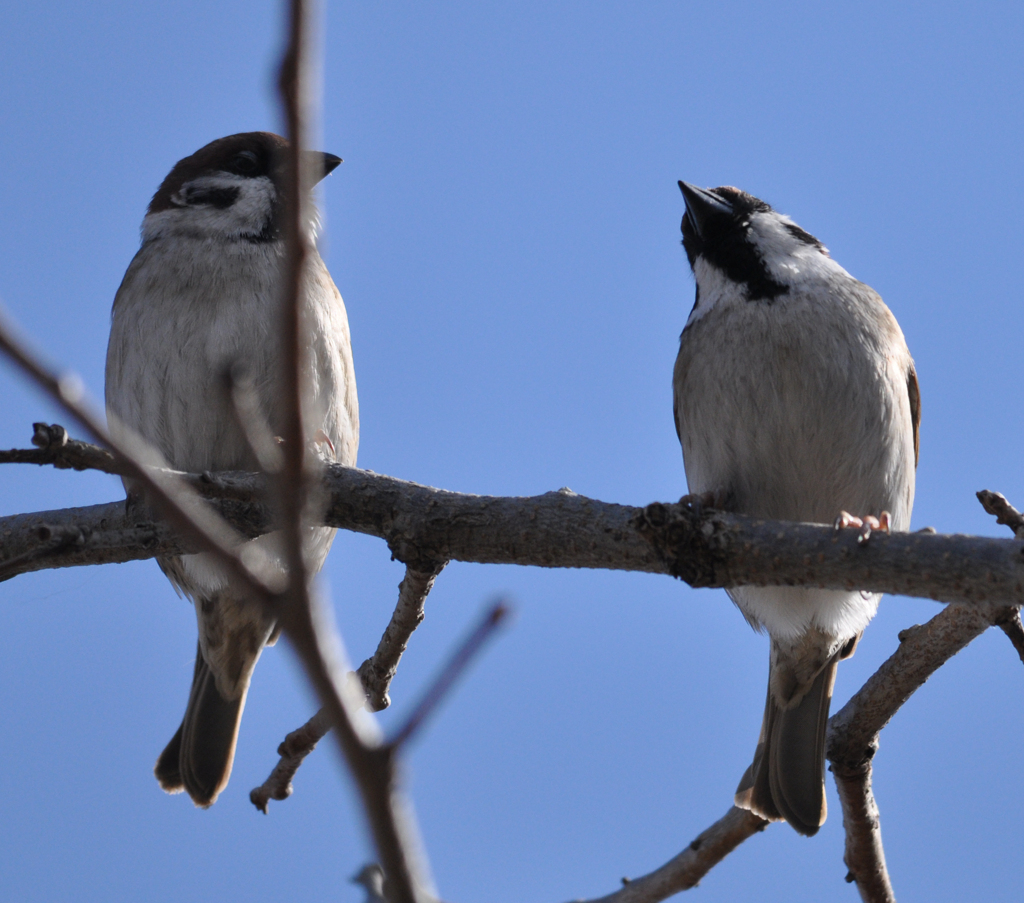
(422, 525)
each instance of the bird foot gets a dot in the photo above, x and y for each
(714, 499)
(322, 447)
(866, 525)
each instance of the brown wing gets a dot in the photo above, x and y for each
(678, 378)
(914, 391)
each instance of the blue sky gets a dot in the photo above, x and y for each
(504, 231)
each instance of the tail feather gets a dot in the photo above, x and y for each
(167, 771)
(787, 777)
(200, 755)
(754, 790)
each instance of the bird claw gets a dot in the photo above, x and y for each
(318, 443)
(866, 525)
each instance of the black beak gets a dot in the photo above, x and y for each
(321, 164)
(702, 205)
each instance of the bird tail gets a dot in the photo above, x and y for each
(787, 777)
(199, 757)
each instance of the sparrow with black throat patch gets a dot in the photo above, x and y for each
(201, 299)
(795, 399)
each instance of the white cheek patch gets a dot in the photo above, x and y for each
(789, 260)
(249, 213)
(715, 288)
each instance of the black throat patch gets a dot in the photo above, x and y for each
(724, 242)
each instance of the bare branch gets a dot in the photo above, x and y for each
(852, 742)
(54, 447)
(293, 750)
(561, 529)
(451, 672)
(292, 482)
(854, 729)
(251, 420)
(864, 855)
(309, 630)
(1009, 623)
(378, 671)
(995, 503)
(376, 674)
(684, 871)
(197, 523)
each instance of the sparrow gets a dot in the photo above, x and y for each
(200, 300)
(795, 399)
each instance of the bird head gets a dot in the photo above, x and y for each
(731, 235)
(233, 188)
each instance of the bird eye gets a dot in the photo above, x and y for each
(244, 163)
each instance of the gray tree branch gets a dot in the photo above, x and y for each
(561, 529)
(853, 736)
(852, 742)
(864, 855)
(375, 674)
(421, 525)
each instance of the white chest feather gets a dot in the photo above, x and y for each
(796, 408)
(186, 312)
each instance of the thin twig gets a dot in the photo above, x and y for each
(54, 447)
(450, 673)
(378, 671)
(684, 871)
(864, 855)
(995, 503)
(1009, 623)
(376, 674)
(293, 750)
(313, 637)
(251, 420)
(854, 730)
(852, 742)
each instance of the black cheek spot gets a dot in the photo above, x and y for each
(219, 198)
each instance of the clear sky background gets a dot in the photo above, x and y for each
(505, 233)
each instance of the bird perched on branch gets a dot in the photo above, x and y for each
(193, 369)
(795, 399)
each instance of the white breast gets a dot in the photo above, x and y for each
(798, 408)
(185, 312)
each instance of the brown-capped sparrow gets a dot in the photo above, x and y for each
(201, 299)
